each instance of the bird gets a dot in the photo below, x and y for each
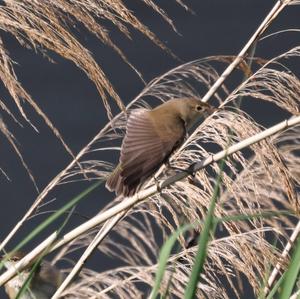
(151, 137)
(45, 281)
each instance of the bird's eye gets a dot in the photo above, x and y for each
(199, 108)
(14, 259)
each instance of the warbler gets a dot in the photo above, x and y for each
(151, 137)
(45, 281)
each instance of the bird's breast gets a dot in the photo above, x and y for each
(167, 125)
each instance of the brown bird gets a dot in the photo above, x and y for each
(151, 137)
(43, 285)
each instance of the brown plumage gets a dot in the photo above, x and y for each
(151, 137)
(45, 280)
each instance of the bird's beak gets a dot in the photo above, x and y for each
(211, 110)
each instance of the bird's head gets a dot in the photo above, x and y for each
(44, 283)
(12, 260)
(192, 109)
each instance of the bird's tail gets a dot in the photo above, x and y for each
(114, 180)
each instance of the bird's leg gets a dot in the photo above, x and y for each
(188, 170)
(157, 184)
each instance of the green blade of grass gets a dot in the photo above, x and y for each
(191, 288)
(28, 280)
(49, 220)
(276, 287)
(34, 268)
(268, 270)
(169, 244)
(292, 273)
(164, 256)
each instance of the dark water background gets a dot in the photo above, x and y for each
(71, 101)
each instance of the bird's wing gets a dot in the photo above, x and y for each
(143, 150)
